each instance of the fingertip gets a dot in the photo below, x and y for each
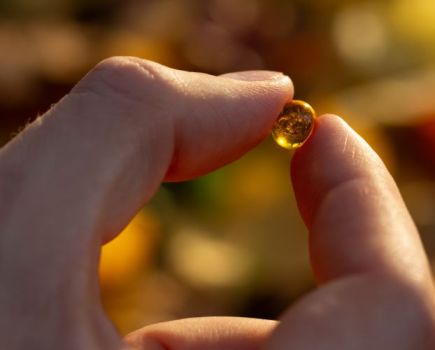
(335, 153)
(348, 199)
(227, 117)
(263, 88)
(266, 91)
(316, 162)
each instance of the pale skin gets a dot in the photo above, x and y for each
(75, 177)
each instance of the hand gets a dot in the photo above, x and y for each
(131, 124)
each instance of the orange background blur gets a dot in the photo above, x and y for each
(232, 242)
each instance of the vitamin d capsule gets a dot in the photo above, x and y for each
(294, 124)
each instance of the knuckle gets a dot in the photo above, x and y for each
(129, 78)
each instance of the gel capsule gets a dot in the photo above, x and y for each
(294, 124)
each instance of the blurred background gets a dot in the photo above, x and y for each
(232, 242)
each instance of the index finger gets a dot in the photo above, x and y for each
(84, 169)
(357, 219)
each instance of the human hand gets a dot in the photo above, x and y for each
(83, 170)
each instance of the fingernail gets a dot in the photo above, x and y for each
(254, 75)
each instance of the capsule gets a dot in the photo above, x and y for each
(294, 124)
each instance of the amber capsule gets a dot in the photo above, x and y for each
(294, 125)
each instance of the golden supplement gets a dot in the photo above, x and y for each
(294, 124)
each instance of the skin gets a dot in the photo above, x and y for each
(76, 176)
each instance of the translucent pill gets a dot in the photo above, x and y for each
(294, 125)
